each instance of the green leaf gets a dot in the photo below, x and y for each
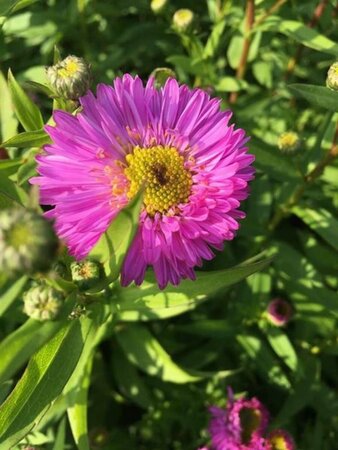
(77, 413)
(147, 302)
(8, 121)
(28, 139)
(321, 221)
(43, 380)
(283, 347)
(114, 243)
(265, 361)
(26, 171)
(214, 39)
(10, 294)
(26, 111)
(269, 160)
(230, 84)
(143, 350)
(7, 7)
(19, 346)
(12, 192)
(129, 381)
(317, 95)
(308, 36)
(60, 438)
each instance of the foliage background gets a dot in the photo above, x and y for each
(134, 402)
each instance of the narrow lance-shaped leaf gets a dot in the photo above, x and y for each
(77, 413)
(11, 293)
(26, 111)
(317, 95)
(8, 121)
(147, 302)
(143, 350)
(114, 243)
(28, 139)
(46, 375)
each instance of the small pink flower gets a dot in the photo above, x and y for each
(280, 440)
(240, 426)
(279, 312)
(178, 143)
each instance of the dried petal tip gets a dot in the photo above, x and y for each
(182, 19)
(280, 440)
(42, 303)
(27, 242)
(332, 77)
(70, 78)
(161, 74)
(157, 6)
(279, 312)
(86, 274)
(289, 142)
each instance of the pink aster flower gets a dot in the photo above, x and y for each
(178, 144)
(240, 426)
(279, 312)
(280, 440)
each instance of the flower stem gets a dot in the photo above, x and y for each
(294, 198)
(268, 13)
(250, 18)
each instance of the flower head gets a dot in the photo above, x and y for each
(70, 78)
(240, 426)
(332, 77)
(280, 440)
(86, 274)
(158, 6)
(279, 312)
(174, 141)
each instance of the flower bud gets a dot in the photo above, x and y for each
(332, 77)
(27, 242)
(161, 74)
(279, 312)
(42, 302)
(182, 19)
(157, 6)
(86, 274)
(288, 142)
(70, 78)
(280, 440)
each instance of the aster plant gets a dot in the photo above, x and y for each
(168, 225)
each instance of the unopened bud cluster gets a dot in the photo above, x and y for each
(157, 6)
(182, 19)
(27, 242)
(70, 78)
(289, 142)
(161, 74)
(332, 77)
(43, 302)
(86, 274)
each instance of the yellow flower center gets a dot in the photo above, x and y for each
(278, 443)
(161, 170)
(69, 69)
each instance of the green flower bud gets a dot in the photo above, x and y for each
(27, 242)
(161, 74)
(288, 142)
(182, 19)
(157, 6)
(332, 77)
(70, 78)
(86, 274)
(42, 302)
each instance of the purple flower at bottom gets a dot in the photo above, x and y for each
(279, 312)
(240, 426)
(280, 440)
(174, 141)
